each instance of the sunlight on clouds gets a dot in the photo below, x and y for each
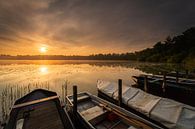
(71, 27)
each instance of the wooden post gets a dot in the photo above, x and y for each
(146, 83)
(164, 82)
(74, 100)
(63, 94)
(177, 76)
(66, 91)
(187, 73)
(120, 92)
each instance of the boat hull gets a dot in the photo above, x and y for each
(182, 92)
(39, 109)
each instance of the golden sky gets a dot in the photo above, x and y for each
(83, 27)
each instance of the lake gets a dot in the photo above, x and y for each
(18, 77)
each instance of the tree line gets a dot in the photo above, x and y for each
(177, 49)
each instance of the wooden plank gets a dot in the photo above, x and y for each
(34, 102)
(92, 113)
(44, 116)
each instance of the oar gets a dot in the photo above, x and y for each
(132, 121)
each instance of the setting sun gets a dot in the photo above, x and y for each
(43, 49)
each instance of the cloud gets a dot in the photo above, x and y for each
(102, 25)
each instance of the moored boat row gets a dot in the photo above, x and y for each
(170, 113)
(179, 89)
(179, 82)
(137, 110)
(42, 109)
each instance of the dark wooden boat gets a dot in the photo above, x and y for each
(179, 82)
(182, 90)
(183, 74)
(40, 109)
(96, 113)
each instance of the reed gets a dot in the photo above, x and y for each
(64, 91)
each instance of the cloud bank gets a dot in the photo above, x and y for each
(90, 26)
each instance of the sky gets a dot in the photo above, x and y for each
(84, 27)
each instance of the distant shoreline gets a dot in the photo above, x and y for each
(176, 49)
(99, 60)
(59, 57)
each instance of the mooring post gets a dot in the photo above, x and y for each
(177, 76)
(164, 82)
(66, 92)
(74, 100)
(187, 73)
(146, 83)
(62, 94)
(120, 92)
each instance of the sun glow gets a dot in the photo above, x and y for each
(43, 49)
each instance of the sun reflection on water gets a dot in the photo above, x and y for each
(43, 69)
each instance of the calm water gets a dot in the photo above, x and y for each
(19, 77)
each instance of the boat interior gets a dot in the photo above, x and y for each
(100, 116)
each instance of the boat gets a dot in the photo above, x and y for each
(170, 113)
(181, 89)
(96, 113)
(180, 82)
(40, 109)
(182, 74)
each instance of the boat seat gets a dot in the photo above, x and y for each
(155, 80)
(94, 114)
(131, 127)
(82, 98)
(19, 124)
